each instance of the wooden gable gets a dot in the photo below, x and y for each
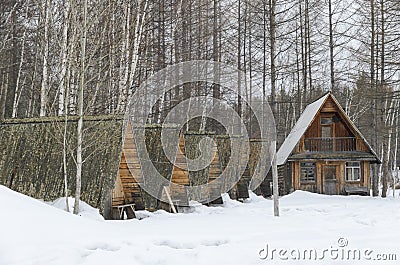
(342, 127)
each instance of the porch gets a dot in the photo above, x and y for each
(330, 144)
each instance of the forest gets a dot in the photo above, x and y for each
(87, 57)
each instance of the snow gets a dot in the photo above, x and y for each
(299, 129)
(34, 232)
(85, 209)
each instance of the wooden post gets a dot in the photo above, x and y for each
(275, 178)
(394, 181)
(170, 200)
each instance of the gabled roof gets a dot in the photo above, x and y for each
(299, 129)
(305, 121)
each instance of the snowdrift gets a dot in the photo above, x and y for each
(34, 232)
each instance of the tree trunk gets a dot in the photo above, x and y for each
(384, 110)
(299, 105)
(331, 48)
(375, 178)
(385, 162)
(64, 55)
(17, 94)
(215, 56)
(264, 79)
(3, 99)
(140, 19)
(45, 77)
(304, 50)
(124, 61)
(395, 168)
(65, 163)
(239, 63)
(308, 47)
(80, 113)
(272, 28)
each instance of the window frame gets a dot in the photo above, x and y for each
(352, 168)
(325, 125)
(307, 167)
(328, 118)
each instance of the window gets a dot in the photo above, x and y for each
(326, 127)
(326, 132)
(307, 172)
(329, 172)
(353, 171)
(326, 121)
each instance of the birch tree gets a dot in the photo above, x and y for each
(45, 75)
(79, 134)
(62, 106)
(17, 93)
(129, 55)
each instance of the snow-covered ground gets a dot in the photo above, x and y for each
(34, 232)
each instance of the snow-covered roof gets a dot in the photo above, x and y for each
(299, 129)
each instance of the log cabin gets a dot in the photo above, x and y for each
(325, 152)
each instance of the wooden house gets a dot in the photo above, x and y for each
(325, 152)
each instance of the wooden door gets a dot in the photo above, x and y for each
(329, 180)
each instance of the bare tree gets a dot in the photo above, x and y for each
(62, 106)
(45, 75)
(272, 39)
(79, 134)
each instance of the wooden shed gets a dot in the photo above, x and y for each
(325, 152)
(31, 163)
(180, 177)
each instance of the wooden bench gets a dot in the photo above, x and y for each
(120, 206)
(363, 191)
(128, 208)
